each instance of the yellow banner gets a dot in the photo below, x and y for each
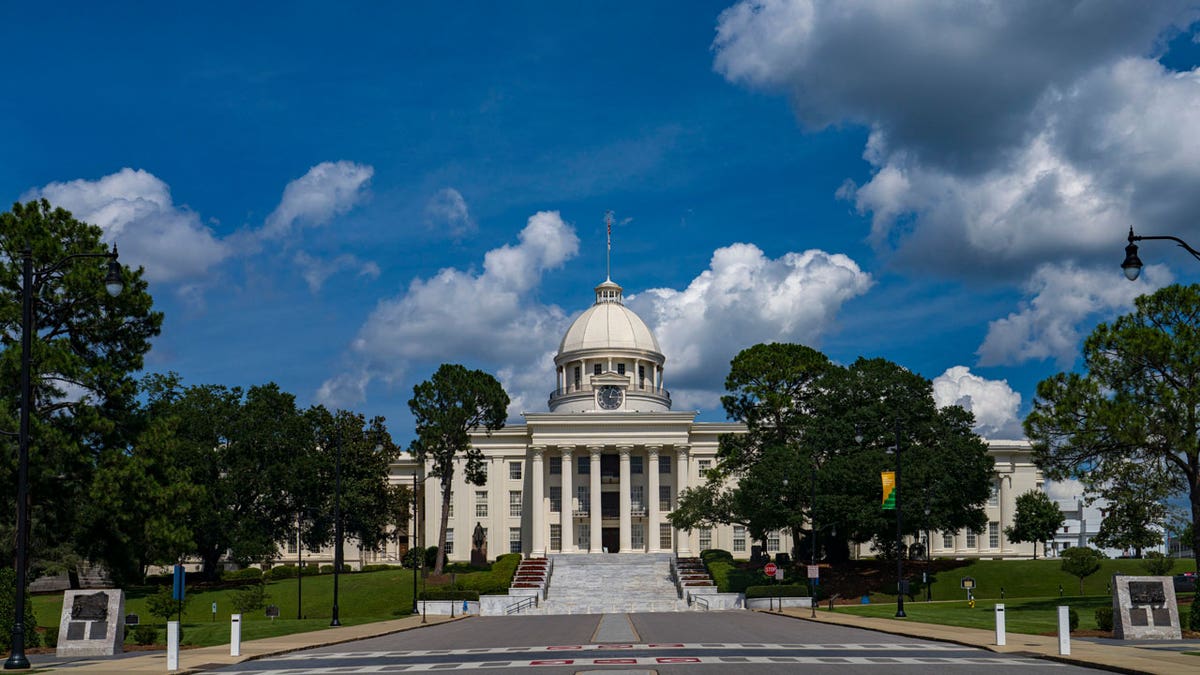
(889, 489)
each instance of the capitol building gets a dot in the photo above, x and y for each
(601, 469)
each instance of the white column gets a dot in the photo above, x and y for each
(567, 515)
(626, 516)
(597, 534)
(537, 502)
(683, 544)
(652, 488)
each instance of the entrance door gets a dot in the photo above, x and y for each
(611, 538)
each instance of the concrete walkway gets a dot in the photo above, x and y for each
(1113, 655)
(207, 658)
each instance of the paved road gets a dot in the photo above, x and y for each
(679, 643)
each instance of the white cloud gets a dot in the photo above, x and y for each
(317, 270)
(994, 403)
(1066, 490)
(135, 210)
(1064, 297)
(327, 190)
(744, 298)
(447, 210)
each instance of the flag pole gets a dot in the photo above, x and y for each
(608, 218)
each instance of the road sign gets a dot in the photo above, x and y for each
(779, 575)
(967, 583)
(814, 572)
(769, 569)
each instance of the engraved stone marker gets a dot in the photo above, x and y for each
(1144, 608)
(93, 623)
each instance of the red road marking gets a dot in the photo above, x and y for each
(552, 662)
(677, 644)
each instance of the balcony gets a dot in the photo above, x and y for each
(586, 391)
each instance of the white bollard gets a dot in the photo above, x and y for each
(1000, 641)
(235, 635)
(172, 645)
(1064, 630)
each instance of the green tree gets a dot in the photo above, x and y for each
(446, 408)
(1136, 496)
(8, 588)
(1035, 521)
(1081, 562)
(1135, 402)
(162, 605)
(87, 342)
(1157, 564)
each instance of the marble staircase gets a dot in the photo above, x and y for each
(611, 583)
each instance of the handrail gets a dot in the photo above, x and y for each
(700, 601)
(516, 607)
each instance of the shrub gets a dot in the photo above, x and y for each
(375, 568)
(777, 591)
(163, 606)
(447, 594)
(50, 636)
(250, 598)
(411, 558)
(8, 586)
(431, 556)
(145, 634)
(1104, 618)
(1157, 564)
(715, 554)
(496, 580)
(1193, 615)
(1072, 620)
(280, 572)
(248, 574)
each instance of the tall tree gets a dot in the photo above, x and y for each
(1081, 562)
(1135, 499)
(447, 407)
(86, 349)
(1136, 401)
(1036, 520)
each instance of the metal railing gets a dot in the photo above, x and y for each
(632, 388)
(700, 601)
(517, 607)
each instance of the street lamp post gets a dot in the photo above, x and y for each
(1133, 264)
(419, 558)
(337, 519)
(899, 530)
(29, 286)
(815, 533)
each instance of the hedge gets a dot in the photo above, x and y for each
(378, 568)
(777, 591)
(248, 574)
(1104, 618)
(444, 594)
(495, 581)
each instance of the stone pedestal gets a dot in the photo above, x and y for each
(92, 623)
(1144, 608)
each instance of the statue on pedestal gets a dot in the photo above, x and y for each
(479, 546)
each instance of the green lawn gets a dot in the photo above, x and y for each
(1027, 615)
(362, 598)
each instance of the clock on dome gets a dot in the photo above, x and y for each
(609, 397)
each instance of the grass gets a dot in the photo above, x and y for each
(1028, 615)
(362, 598)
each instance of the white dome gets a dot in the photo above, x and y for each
(608, 324)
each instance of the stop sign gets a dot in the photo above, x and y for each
(770, 569)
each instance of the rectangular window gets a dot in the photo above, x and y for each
(514, 503)
(636, 498)
(642, 376)
(994, 495)
(514, 470)
(578, 376)
(705, 465)
(664, 498)
(585, 503)
(664, 536)
(451, 511)
(583, 538)
(292, 546)
(556, 466)
(514, 540)
(481, 504)
(449, 541)
(585, 466)
(993, 535)
(971, 543)
(773, 541)
(555, 499)
(556, 537)
(635, 465)
(664, 464)
(636, 538)
(948, 540)
(620, 368)
(739, 539)
(596, 369)
(705, 538)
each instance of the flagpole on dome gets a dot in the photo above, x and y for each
(608, 218)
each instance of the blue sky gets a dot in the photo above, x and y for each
(340, 197)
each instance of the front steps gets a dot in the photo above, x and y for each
(611, 583)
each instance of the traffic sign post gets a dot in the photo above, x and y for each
(770, 568)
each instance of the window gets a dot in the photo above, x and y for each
(449, 541)
(993, 534)
(578, 379)
(556, 537)
(481, 505)
(637, 498)
(636, 538)
(739, 538)
(705, 465)
(514, 540)
(585, 465)
(773, 541)
(947, 540)
(596, 369)
(994, 495)
(583, 538)
(556, 466)
(292, 546)
(705, 538)
(451, 511)
(514, 470)
(971, 543)
(514, 503)
(664, 464)
(620, 368)
(555, 499)
(635, 465)
(664, 498)
(642, 376)
(585, 502)
(664, 536)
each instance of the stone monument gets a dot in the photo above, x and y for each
(92, 623)
(1144, 608)
(479, 547)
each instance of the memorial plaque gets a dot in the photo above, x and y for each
(76, 630)
(132, 620)
(1147, 592)
(93, 607)
(1138, 616)
(1161, 616)
(1144, 608)
(98, 630)
(92, 623)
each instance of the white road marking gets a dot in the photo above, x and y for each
(904, 646)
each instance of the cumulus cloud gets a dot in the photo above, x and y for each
(317, 270)
(447, 210)
(1050, 323)
(490, 315)
(994, 403)
(744, 298)
(1067, 490)
(326, 191)
(135, 210)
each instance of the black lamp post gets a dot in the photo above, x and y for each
(858, 437)
(815, 532)
(337, 519)
(419, 558)
(30, 283)
(1133, 264)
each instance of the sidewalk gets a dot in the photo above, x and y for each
(206, 658)
(1110, 655)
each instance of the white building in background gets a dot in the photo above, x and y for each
(1082, 525)
(601, 469)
